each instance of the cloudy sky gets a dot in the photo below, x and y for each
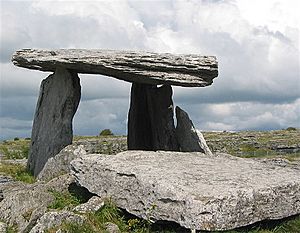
(256, 43)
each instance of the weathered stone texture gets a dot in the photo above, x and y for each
(3, 227)
(94, 204)
(161, 112)
(23, 204)
(54, 219)
(60, 163)
(150, 118)
(189, 138)
(112, 227)
(142, 67)
(139, 123)
(52, 127)
(193, 189)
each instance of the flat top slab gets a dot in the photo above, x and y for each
(195, 190)
(144, 67)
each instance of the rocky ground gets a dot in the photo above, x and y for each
(54, 201)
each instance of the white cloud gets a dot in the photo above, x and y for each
(244, 115)
(256, 43)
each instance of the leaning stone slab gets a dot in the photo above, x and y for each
(143, 67)
(189, 138)
(193, 189)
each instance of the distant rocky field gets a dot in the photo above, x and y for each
(277, 143)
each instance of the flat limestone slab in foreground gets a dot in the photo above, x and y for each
(195, 190)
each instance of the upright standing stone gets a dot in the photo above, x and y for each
(161, 113)
(150, 118)
(189, 138)
(139, 124)
(52, 127)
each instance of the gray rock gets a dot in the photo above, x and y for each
(3, 227)
(59, 184)
(54, 219)
(139, 122)
(193, 189)
(23, 204)
(161, 113)
(35, 216)
(94, 204)
(111, 227)
(52, 126)
(150, 118)
(60, 163)
(103, 145)
(189, 139)
(17, 207)
(142, 67)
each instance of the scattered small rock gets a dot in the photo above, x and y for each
(3, 227)
(54, 219)
(112, 228)
(23, 203)
(94, 204)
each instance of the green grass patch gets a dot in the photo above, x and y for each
(17, 171)
(64, 200)
(15, 149)
(95, 222)
(11, 229)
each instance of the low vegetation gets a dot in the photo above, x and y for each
(16, 171)
(96, 222)
(15, 149)
(106, 132)
(63, 200)
(248, 144)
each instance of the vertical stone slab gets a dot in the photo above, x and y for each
(52, 126)
(150, 118)
(161, 111)
(189, 138)
(139, 124)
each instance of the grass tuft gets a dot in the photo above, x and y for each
(64, 200)
(15, 149)
(17, 171)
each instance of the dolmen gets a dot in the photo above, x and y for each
(168, 172)
(150, 119)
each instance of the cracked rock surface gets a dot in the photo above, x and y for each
(193, 189)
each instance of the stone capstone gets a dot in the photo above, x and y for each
(189, 138)
(197, 191)
(52, 127)
(142, 67)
